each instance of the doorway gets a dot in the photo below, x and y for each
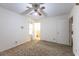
(71, 31)
(37, 31)
(34, 31)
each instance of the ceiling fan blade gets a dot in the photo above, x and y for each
(42, 12)
(39, 13)
(27, 11)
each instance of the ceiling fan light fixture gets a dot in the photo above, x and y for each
(35, 14)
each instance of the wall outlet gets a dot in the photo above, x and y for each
(16, 42)
(53, 38)
(76, 50)
(57, 32)
(22, 27)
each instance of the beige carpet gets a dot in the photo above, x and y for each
(39, 48)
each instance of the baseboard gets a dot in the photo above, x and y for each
(56, 42)
(14, 46)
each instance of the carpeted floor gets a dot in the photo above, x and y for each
(39, 48)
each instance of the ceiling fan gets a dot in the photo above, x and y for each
(36, 8)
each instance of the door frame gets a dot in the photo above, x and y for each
(70, 31)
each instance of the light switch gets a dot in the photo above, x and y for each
(22, 27)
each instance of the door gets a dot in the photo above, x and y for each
(31, 31)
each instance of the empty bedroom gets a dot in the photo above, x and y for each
(39, 29)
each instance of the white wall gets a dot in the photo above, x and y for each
(10, 29)
(75, 14)
(55, 29)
